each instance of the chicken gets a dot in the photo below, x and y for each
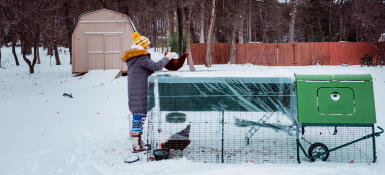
(176, 64)
(179, 140)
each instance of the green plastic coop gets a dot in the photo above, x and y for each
(237, 117)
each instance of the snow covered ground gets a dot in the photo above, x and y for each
(44, 133)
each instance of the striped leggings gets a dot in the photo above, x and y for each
(137, 124)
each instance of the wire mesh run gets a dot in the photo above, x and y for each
(332, 137)
(215, 137)
(222, 119)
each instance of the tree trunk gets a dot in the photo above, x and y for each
(1, 44)
(330, 23)
(175, 21)
(237, 26)
(188, 20)
(69, 27)
(155, 31)
(249, 24)
(14, 52)
(262, 24)
(233, 48)
(0, 53)
(180, 27)
(30, 64)
(320, 29)
(209, 35)
(36, 46)
(50, 48)
(241, 14)
(202, 23)
(340, 30)
(57, 59)
(38, 55)
(292, 21)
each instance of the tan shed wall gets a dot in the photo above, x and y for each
(99, 41)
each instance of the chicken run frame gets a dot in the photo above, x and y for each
(277, 119)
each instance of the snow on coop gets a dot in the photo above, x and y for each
(233, 118)
(99, 40)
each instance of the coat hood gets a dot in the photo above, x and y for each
(133, 53)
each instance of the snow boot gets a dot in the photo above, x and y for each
(137, 144)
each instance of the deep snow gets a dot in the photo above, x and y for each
(44, 133)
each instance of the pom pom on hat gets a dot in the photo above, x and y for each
(140, 40)
(135, 35)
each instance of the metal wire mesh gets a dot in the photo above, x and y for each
(332, 137)
(216, 138)
(233, 120)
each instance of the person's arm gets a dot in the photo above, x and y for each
(154, 66)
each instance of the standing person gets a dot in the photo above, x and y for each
(139, 68)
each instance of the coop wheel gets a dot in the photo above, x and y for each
(318, 148)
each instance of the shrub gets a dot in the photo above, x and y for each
(173, 42)
(367, 60)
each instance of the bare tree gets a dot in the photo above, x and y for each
(14, 41)
(340, 2)
(1, 42)
(188, 16)
(26, 46)
(210, 35)
(237, 25)
(69, 26)
(292, 20)
(202, 22)
(1, 45)
(249, 22)
(180, 27)
(241, 12)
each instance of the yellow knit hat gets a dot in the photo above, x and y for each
(140, 40)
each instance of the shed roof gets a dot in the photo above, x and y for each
(103, 9)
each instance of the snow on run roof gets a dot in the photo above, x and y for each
(224, 73)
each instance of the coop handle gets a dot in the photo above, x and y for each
(379, 133)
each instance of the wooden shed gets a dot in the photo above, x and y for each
(99, 40)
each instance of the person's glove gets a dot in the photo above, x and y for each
(171, 55)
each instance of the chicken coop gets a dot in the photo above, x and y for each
(99, 40)
(232, 117)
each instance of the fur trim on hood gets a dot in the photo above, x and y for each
(133, 53)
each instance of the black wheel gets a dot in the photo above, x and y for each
(317, 148)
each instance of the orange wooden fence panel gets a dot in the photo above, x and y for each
(220, 53)
(285, 54)
(289, 54)
(350, 53)
(311, 53)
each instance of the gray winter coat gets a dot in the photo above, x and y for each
(139, 69)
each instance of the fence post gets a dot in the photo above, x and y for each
(294, 54)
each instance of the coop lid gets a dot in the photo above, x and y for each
(222, 91)
(219, 76)
(336, 77)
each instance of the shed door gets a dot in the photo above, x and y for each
(95, 51)
(112, 48)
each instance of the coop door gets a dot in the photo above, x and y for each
(95, 51)
(112, 48)
(336, 101)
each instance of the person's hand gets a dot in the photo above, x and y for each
(171, 55)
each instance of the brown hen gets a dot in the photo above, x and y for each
(176, 64)
(178, 141)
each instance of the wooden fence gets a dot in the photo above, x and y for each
(290, 54)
